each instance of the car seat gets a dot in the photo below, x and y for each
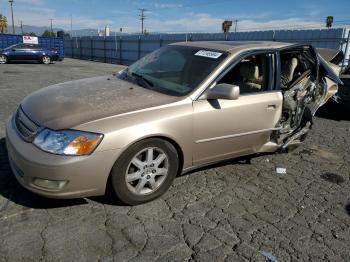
(251, 79)
(288, 70)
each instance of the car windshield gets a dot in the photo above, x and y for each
(174, 70)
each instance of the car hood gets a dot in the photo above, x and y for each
(69, 104)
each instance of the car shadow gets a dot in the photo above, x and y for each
(245, 160)
(347, 209)
(23, 62)
(11, 190)
(334, 111)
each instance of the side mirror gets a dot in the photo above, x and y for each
(13, 50)
(222, 91)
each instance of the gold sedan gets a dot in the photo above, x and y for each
(181, 107)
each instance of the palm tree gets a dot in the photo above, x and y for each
(329, 21)
(3, 24)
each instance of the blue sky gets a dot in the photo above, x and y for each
(179, 15)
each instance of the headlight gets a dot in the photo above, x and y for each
(67, 142)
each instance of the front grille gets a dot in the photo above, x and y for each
(26, 127)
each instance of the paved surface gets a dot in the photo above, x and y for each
(232, 211)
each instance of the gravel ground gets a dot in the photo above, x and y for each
(233, 211)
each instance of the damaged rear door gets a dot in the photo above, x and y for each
(329, 77)
(307, 81)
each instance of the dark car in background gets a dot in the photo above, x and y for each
(28, 52)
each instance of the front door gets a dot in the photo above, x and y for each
(230, 128)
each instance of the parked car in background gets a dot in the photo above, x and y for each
(28, 52)
(181, 107)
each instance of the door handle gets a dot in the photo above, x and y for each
(271, 107)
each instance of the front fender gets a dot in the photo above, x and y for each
(174, 121)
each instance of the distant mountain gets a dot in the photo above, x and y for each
(39, 30)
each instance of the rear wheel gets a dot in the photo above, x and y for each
(3, 59)
(145, 171)
(46, 60)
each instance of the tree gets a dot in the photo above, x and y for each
(226, 26)
(47, 33)
(3, 24)
(329, 21)
(30, 34)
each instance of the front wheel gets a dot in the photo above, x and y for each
(145, 171)
(3, 59)
(46, 60)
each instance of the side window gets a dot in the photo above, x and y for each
(251, 74)
(31, 46)
(20, 46)
(296, 64)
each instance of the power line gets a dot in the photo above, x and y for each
(51, 19)
(13, 21)
(21, 25)
(236, 23)
(142, 18)
(71, 25)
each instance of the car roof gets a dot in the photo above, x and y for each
(235, 46)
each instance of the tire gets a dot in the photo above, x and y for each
(46, 60)
(141, 182)
(3, 59)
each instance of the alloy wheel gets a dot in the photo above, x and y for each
(46, 60)
(147, 171)
(3, 59)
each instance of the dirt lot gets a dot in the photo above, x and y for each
(233, 211)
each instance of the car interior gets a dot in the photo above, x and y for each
(249, 74)
(295, 65)
(300, 89)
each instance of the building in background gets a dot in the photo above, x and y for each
(106, 30)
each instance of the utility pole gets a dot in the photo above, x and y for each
(21, 24)
(142, 18)
(236, 22)
(51, 27)
(71, 25)
(13, 21)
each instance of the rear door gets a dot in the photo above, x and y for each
(35, 52)
(229, 128)
(30, 52)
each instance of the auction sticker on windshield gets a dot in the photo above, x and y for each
(210, 54)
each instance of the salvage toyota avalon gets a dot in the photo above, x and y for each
(183, 106)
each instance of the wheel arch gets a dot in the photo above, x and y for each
(6, 56)
(43, 55)
(163, 137)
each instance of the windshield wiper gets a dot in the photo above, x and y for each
(142, 80)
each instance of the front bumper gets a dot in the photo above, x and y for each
(84, 175)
